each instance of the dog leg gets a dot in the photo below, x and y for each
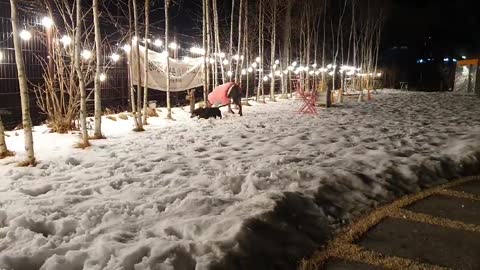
(230, 109)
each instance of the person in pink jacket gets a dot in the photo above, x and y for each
(223, 95)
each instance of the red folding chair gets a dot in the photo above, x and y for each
(309, 99)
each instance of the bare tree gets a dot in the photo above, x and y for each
(80, 75)
(97, 84)
(145, 65)
(22, 80)
(169, 107)
(4, 152)
(137, 66)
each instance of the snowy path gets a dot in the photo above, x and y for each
(185, 194)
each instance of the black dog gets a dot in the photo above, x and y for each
(206, 113)
(235, 94)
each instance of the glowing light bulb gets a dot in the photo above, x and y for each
(265, 78)
(86, 54)
(225, 62)
(229, 74)
(66, 40)
(47, 21)
(103, 77)
(115, 57)
(173, 46)
(127, 48)
(158, 42)
(244, 72)
(25, 35)
(257, 59)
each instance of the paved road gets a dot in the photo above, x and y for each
(436, 229)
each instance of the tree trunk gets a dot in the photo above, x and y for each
(169, 107)
(217, 36)
(137, 65)
(287, 31)
(81, 79)
(205, 60)
(145, 67)
(231, 37)
(129, 53)
(272, 50)
(260, 56)
(98, 90)
(238, 66)
(3, 146)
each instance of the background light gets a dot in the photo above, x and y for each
(158, 42)
(47, 21)
(127, 48)
(115, 57)
(25, 35)
(86, 54)
(103, 77)
(66, 40)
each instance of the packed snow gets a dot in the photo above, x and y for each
(253, 192)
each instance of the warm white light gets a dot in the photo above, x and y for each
(311, 72)
(314, 65)
(257, 59)
(115, 57)
(254, 65)
(329, 66)
(236, 57)
(158, 42)
(277, 62)
(86, 54)
(197, 50)
(212, 61)
(242, 57)
(379, 74)
(127, 48)
(317, 72)
(275, 66)
(225, 62)
(134, 39)
(221, 55)
(187, 59)
(278, 73)
(47, 21)
(173, 46)
(265, 78)
(250, 70)
(103, 77)
(25, 35)
(294, 64)
(66, 40)
(464, 57)
(285, 72)
(290, 68)
(244, 72)
(229, 74)
(331, 73)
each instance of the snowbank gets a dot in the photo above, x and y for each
(257, 192)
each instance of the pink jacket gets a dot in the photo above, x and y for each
(219, 96)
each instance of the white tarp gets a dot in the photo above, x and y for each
(184, 74)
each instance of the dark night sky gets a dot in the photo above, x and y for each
(454, 25)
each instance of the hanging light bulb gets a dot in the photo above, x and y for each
(314, 65)
(225, 62)
(86, 54)
(236, 57)
(294, 64)
(265, 78)
(103, 77)
(47, 22)
(257, 59)
(244, 72)
(254, 65)
(127, 48)
(211, 61)
(115, 57)
(66, 40)
(277, 62)
(158, 42)
(173, 46)
(229, 74)
(278, 73)
(221, 55)
(285, 71)
(25, 35)
(250, 70)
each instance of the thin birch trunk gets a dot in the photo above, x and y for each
(81, 79)
(129, 53)
(3, 145)
(145, 66)
(205, 60)
(272, 49)
(139, 124)
(287, 31)
(98, 71)
(169, 107)
(239, 44)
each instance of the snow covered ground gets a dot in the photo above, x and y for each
(257, 192)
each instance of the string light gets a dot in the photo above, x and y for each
(47, 22)
(197, 50)
(257, 59)
(277, 62)
(173, 46)
(127, 48)
(254, 65)
(158, 43)
(250, 70)
(86, 54)
(265, 78)
(25, 35)
(225, 62)
(66, 40)
(229, 74)
(115, 57)
(244, 72)
(236, 57)
(212, 61)
(103, 77)
(294, 64)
